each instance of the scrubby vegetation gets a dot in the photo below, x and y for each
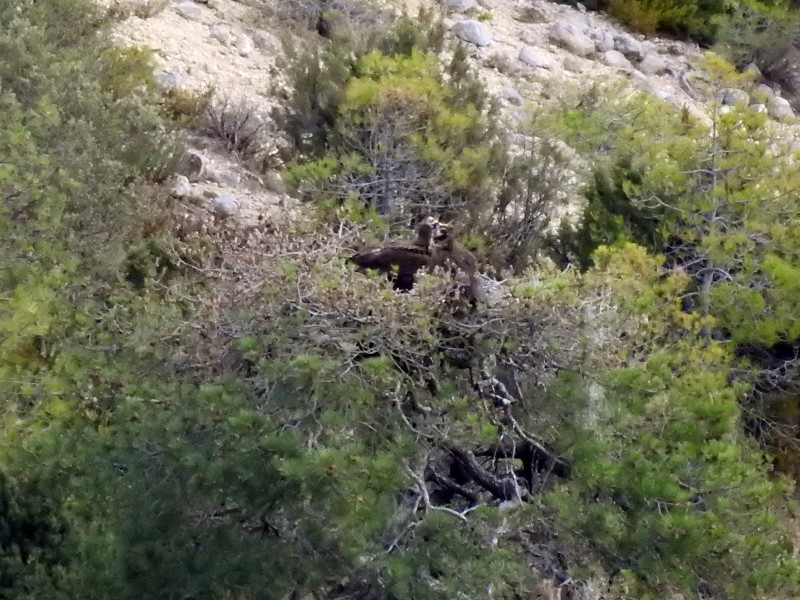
(749, 33)
(245, 416)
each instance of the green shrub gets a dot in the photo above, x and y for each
(610, 216)
(32, 542)
(82, 140)
(649, 16)
(764, 35)
(185, 106)
(238, 125)
(686, 504)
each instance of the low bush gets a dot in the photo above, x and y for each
(239, 125)
(765, 36)
(649, 16)
(186, 107)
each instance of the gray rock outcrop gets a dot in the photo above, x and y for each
(169, 80)
(193, 165)
(473, 32)
(265, 39)
(779, 108)
(732, 97)
(653, 64)
(536, 57)
(568, 36)
(616, 59)
(762, 93)
(189, 10)
(603, 40)
(181, 188)
(458, 5)
(274, 182)
(512, 96)
(223, 206)
(631, 48)
(244, 44)
(221, 33)
(223, 177)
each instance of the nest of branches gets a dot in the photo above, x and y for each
(444, 359)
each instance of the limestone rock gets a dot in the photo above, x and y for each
(779, 108)
(189, 10)
(512, 96)
(653, 64)
(616, 59)
(223, 206)
(574, 64)
(531, 14)
(762, 93)
(144, 9)
(502, 63)
(225, 178)
(181, 188)
(567, 36)
(274, 182)
(168, 79)
(536, 57)
(642, 81)
(473, 32)
(732, 97)
(631, 48)
(264, 39)
(530, 37)
(244, 44)
(603, 40)
(458, 5)
(753, 70)
(221, 33)
(193, 165)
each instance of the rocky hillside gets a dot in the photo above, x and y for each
(210, 393)
(526, 52)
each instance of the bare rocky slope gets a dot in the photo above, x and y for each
(525, 50)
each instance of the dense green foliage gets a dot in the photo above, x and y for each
(706, 20)
(728, 223)
(401, 135)
(750, 33)
(712, 202)
(388, 127)
(247, 417)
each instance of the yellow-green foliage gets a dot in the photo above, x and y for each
(170, 433)
(648, 16)
(186, 106)
(714, 197)
(722, 73)
(406, 92)
(760, 33)
(384, 123)
(125, 70)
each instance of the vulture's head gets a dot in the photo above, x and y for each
(442, 235)
(427, 230)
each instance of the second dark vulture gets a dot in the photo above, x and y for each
(451, 255)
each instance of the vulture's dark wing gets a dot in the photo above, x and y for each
(403, 259)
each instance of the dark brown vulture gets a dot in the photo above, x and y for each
(400, 259)
(451, 255)
(323, 26)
